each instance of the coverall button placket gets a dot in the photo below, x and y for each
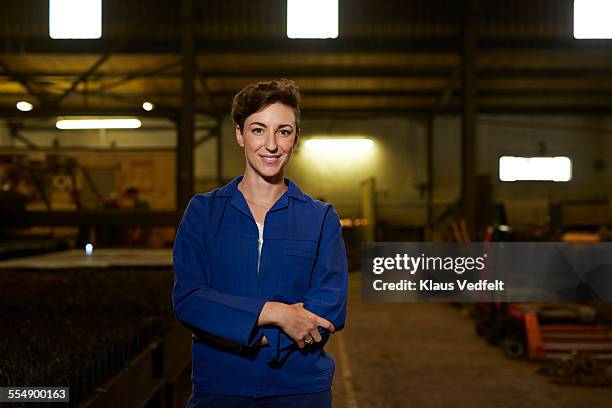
(280, 204)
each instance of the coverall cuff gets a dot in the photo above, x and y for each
(272, 334)
(258, 333)
(280, 344)
(254, 332)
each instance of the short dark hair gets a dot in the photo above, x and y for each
(258, 95)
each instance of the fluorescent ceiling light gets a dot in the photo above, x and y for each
(24, 106)
(339, 145)
(75, 19)
(128, 123)
(312, 18)
(535, 168)
(592, 19)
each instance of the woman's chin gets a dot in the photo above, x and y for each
(272, 174)
(269, 171)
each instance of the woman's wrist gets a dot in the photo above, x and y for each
(271, 313)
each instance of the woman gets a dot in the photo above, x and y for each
(261, 271)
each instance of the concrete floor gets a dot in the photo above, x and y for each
(427, 355)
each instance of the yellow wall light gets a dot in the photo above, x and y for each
(126, 123)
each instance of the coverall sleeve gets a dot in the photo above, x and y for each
(327, 295)
(198, 306)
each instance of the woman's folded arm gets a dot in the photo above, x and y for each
(195, 303)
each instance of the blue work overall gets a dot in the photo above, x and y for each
(219, 291)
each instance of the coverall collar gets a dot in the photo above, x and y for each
(238, 200)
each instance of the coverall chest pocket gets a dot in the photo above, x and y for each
(299, 259)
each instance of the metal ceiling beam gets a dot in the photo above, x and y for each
(140, 45)
(136, 75)
(171, 45)
(332, 72)
(545, 73)
(443, 95)
(21, 79)
(96, 75)
(206, 93)
(347, 72)
(352, 92)
(15, 134)
(422, 72)
(82, 78)
(602, 110)
(114, 47)
(204, 138)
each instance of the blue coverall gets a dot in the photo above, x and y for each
(218, 290)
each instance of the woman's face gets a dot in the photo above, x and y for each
(268, 139)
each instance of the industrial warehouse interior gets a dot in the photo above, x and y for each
(441, 122)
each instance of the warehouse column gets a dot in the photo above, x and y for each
(430, 176)
(468, 123)
(185, 146)
(218, 130)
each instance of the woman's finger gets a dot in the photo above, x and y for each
(326, 324)
(322, 322)
(300, 343)
(316, 336)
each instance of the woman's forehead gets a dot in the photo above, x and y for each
(276, 114)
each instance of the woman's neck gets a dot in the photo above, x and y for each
(261, 190)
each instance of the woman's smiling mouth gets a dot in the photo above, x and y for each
(270, 159)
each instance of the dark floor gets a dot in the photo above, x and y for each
(427, 355)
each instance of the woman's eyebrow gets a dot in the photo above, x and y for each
(285, 125)
(258, 124)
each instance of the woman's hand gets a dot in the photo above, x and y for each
(299, 323)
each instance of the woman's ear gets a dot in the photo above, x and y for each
(239, 138)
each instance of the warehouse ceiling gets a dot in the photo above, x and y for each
(391, 56)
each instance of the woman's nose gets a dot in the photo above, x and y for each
(271, 144)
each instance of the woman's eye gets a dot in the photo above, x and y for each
(257, 130)
(285, 132)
